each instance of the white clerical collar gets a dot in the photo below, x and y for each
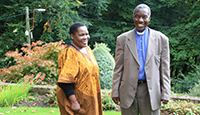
(140, 33)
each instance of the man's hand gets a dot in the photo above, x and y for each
(116, 100)
(164, 101)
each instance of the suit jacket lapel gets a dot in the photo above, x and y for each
(150, 46)
(131, 43)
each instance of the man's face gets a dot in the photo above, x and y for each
(141, 19)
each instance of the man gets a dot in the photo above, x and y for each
(141, 79)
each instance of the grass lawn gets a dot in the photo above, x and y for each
(39, 111)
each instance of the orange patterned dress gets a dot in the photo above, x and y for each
(82, 70)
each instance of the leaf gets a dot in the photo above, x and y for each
(33, 105)
(51, 111)
(34, 110)
(15, 30)
(7, 6)
(14, 107)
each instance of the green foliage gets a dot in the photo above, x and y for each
(181, 108)
(104, 34)
(92, 9)
(107, 102)
(49, 26)
(106, 64)
(185, 83)
(106, 19)
(60, 15)
(182, 85)
(11, 94)
(6, 62)
(116, 19)
(34, 59)
(195, 91)
(52, 99)
(184, 45)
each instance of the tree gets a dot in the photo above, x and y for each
(184, 45)
(49, 26)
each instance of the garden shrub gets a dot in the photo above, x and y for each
(106, 64)
(33, 59)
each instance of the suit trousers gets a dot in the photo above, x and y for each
(141, 104)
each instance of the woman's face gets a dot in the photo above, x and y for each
(81, 37)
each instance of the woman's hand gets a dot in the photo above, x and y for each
(75, 106)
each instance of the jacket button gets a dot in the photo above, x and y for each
(138, 68)
(134, 88)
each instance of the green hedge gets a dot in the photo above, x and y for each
(106, 64)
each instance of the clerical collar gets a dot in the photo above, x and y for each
(140, 33)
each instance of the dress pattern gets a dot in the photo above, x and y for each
(82, 70)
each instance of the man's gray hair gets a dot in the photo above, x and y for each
(142, 6)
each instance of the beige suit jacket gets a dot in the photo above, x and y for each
(157, 68)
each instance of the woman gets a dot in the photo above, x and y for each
(78, 89)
